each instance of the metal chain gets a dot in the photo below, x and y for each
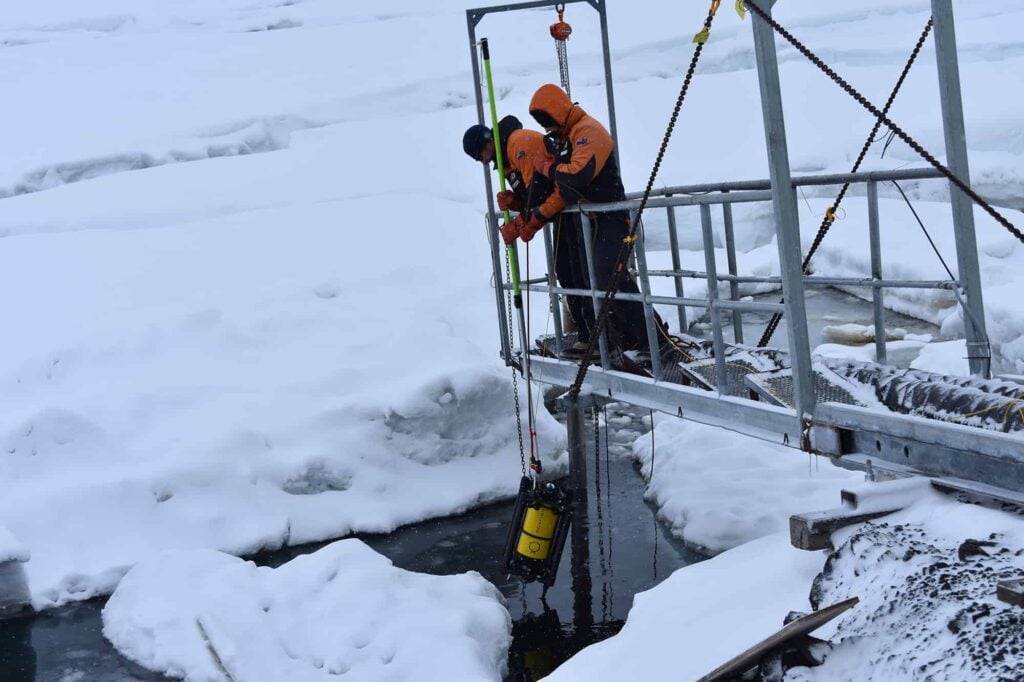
(627, 244)
(830, 214)
(563, 65)
(515, 379)
(900, 133)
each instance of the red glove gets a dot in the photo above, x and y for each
(543, 164)
(509, 231)
(531, 227)
(508, 201)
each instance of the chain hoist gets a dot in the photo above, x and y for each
(561, 31)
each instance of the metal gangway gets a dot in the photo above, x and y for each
(812, 414)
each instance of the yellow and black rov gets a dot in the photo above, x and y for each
(540, 524)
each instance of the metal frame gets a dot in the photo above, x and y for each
(930, 447)
(473, 18)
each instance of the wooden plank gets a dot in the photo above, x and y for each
(801, 626)
(1011, 592)
(813, 531)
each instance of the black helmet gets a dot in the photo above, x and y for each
(475, 139)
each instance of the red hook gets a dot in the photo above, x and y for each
(560, 30)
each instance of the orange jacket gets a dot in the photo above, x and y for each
(538, 193)
(587, 165)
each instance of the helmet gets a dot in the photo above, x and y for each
(475, 139)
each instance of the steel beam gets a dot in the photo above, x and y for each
(978, 352)
(787, 220)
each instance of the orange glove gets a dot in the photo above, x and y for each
(508, 201)
(530, 227)
(543, 164)
(509, 231)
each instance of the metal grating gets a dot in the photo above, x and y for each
(703, 373)
(777, 387)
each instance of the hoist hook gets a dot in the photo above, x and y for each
(561, 30)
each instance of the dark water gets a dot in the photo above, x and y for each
(628, 552)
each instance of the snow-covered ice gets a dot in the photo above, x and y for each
(718, 490)
(248, 287)
(206, 616)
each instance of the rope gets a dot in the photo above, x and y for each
(627, 247)
(830, 213)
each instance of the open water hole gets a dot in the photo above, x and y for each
(629, 552)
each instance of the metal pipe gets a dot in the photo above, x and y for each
(588, 246)
(815, 281)
(968, 272)
(718, 341)
(797, 181)
(673, 240)
(492, 228)
(575, 420)
(787, 219)
(734, 289)
(876, 271)
(556, 308)
(645, 291)
(660, 202)
(722, 304)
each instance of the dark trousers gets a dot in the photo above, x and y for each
(627, 325)
(571, 271)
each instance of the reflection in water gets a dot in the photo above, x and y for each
(548, 628)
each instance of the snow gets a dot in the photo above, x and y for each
(249, 297)
(11, 549)
(718, 490)
(702, 615)
(206, 616)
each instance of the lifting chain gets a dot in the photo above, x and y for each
(830, 213)
(561, 31)
(627, 246)
(515, 379)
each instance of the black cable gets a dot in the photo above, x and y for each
(925, 230)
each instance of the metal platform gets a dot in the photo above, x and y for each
(796, 405)
(777, 388)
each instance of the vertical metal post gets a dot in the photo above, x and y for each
(734, 287)
(721, 379)
(876, 271)
(588, 246)
(580, 568)
(673, 240)
(653, 342)
(556, 308)
(491, 220)
(963, 210)
(787, 224)
(606, 52)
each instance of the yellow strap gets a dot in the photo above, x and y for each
(705, 33)
(741, 8)
(630, 239)
(830, 214)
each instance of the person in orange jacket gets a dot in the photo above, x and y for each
(581, 161)
(537, 200)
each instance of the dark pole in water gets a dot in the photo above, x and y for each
(583, 616)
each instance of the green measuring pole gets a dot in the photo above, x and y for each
(513, 260)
